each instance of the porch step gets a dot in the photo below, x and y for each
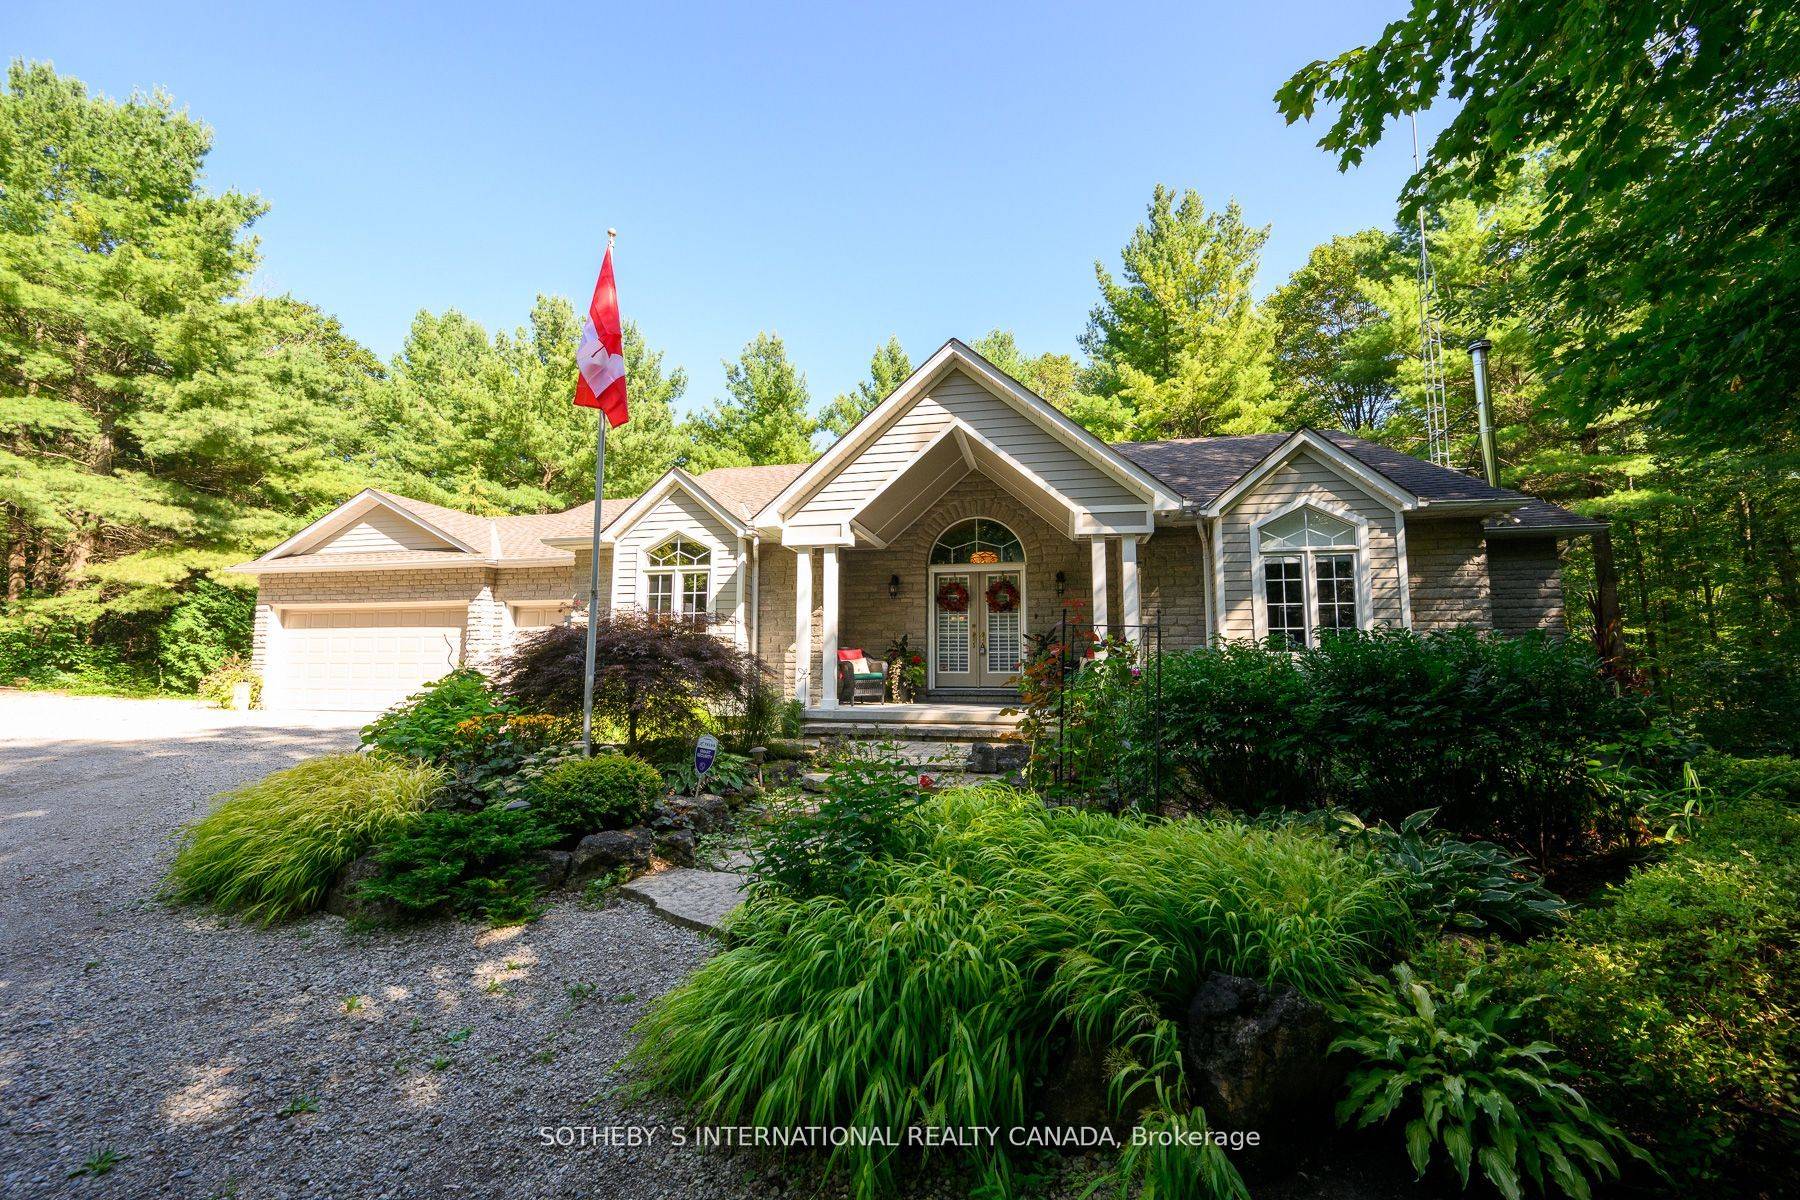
(923, 732)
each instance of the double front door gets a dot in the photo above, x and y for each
(979, 644)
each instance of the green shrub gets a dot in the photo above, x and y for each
(232, 670)
(1451, 1064)
(1495, 733)
(271, 848)
(1751, 778)
(1010, 932)
(466, 863)
(496, 754)
(1448, 884)
(1679, 1001)
(1232, 729)
(730, 772)
(208, 624)
(423, 726)
(608, 791)
(861, 822)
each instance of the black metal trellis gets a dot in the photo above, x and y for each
(1075, 771)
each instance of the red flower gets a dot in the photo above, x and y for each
(927, 783)
(918, 661)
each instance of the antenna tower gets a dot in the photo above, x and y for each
(1431, 343)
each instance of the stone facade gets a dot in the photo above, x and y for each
(1448, 565)
(1172, 585)
(1525, 582)
(1169, 573)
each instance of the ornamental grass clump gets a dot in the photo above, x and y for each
(271, 848)
(1011, 934)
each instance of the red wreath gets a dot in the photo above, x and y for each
(1002, 595)
(953, 597)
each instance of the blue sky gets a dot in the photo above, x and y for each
(835, 173)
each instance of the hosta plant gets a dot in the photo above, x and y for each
(1449, 1065)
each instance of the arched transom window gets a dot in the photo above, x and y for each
(1310, 563)
(977, 541)
(678, 578)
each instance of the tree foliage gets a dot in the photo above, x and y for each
(888, 368)
(653, 673)
(1179, 340)
(1668, 238)
(1335, 358)
(161, 420)
(764, 417)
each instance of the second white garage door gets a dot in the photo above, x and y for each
(363, 659)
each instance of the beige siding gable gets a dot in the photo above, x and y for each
(676, 513)
(1307, 479)
(381, 530)
(958, 397)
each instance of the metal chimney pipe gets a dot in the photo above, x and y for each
(1484, 408)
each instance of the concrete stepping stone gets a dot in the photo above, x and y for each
(689, 896)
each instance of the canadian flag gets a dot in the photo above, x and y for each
(601, 355)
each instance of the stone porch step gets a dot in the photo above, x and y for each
(689, 896)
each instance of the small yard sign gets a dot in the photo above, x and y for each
(705, 751)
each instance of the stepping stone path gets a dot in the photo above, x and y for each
(690, 896)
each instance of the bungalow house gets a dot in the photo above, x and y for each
(964, 511)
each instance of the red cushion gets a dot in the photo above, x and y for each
(849, 655)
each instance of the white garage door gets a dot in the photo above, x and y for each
(540, 616)
(364, 659)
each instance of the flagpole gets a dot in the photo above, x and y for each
(593, 608)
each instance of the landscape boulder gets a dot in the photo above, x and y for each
(552, 868)
(612, 848)
(343, 898)
(677, 846)
(705, 813)
(1258, 1059)
(1077, 1095)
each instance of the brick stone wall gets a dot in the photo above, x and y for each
(578, 579)
(1525, 577)
(1447, 563)
(1172, 585)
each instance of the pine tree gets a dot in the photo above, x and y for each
(888, 369)
(763, 420)
(1180, 341)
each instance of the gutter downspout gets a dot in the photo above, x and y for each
(1484, 407)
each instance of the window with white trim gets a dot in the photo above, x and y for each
(678, 579)
(1309, 565)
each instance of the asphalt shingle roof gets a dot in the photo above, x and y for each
(1198, 469)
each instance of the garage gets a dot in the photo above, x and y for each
(362, 658)
(529, 618)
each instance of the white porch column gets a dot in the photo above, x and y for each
(1097, 549)
(1128, 587)
(742, 633)
(828, 630)
(803, 626)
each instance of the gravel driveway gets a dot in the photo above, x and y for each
(182, 1043)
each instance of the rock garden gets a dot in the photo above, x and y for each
(1446, 914)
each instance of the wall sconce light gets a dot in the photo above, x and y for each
(1061, 583)
(893, 587)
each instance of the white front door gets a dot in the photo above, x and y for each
(977, 643)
